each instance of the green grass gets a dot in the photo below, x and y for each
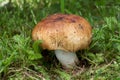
(22, 59)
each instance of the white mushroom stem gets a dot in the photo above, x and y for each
(67, 59)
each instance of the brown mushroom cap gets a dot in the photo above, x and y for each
(64, 32)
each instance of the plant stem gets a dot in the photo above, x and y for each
(62, 5)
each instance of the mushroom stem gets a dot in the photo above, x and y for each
(68, 59)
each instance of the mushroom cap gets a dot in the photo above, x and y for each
(63, 31)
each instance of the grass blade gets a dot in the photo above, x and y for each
(62, 5)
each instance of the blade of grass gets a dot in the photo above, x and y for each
(34, 18)
(62, 5)
(67, 11)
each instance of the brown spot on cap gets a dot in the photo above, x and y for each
(80, 26)
(72, 20)
(58, 18)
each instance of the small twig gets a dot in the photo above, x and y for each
(78, 71)
(27, 74)
(40, 76)
(14, 70)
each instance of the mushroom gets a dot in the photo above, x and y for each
(66, 34)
